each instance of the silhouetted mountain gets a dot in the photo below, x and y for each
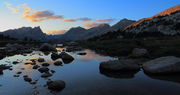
(122, 24)
(26, 33)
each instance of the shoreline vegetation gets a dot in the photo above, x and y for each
(168, 46)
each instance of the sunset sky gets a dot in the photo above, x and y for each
(55, 16)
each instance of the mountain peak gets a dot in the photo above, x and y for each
(103, 25)
(122, 24)
(25, 32)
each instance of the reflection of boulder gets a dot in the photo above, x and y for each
(57, 85)
(67, 61)
(173, 78)
(120, 74)
(137, 52)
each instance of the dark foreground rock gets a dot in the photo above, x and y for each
(55, 56)
(119, 65)
(57, 85)
(163, 65)
(41, 60)
(43, 69)
(45, 64)
(66, 57)
(27, 79)
(46, 75)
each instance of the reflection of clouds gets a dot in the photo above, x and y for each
(92, 55)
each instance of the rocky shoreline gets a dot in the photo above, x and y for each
(125, 67)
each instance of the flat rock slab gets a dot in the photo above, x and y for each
(163, 65)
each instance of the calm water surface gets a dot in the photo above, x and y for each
(82, 77)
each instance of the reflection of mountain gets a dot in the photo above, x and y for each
(172, 78)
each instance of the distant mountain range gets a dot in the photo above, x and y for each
(166, 22)
(74, 34)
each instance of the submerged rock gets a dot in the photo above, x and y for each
(16, 75)
(45, 75)
(163, 65)
(27, 79)
(57, 85)
(58, 63)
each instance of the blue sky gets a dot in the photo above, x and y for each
(65, 14)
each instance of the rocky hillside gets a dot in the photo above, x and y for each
(26, 33)
(166, 22)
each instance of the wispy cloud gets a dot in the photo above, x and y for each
(85, 19)
(31, 15)
(95, 23)
(10, 7)
(69, 20)
(44, 15)
(40, 16)
(105, 20)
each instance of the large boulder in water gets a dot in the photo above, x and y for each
(163, 65)
(66, 57)
(47, 47)
(119, 65)
(57, 85)
(55, 56)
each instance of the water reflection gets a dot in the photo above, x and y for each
(83, 77)
(172, 78)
